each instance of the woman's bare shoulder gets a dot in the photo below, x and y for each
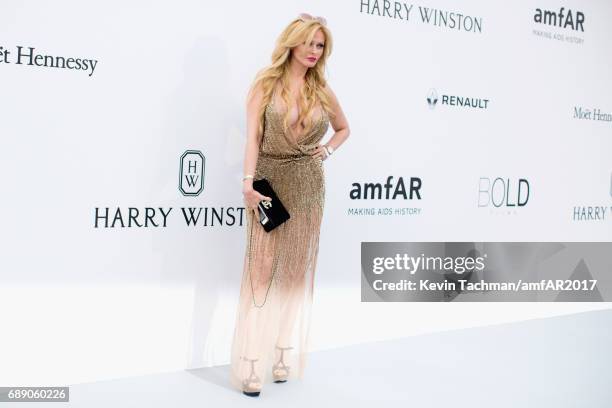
(330, 93)
(255, 92)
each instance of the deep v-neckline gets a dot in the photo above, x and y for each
(299, 139)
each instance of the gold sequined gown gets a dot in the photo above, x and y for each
(271, 335)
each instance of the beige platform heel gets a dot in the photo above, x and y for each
(247, 384)
(280, 370)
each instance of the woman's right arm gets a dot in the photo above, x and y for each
(253, 104)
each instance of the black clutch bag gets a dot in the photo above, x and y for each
(271, 213)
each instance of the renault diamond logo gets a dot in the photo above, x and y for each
(432, 98)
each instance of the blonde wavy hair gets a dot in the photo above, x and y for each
(298, 32)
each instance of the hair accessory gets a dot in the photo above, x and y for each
(306, 16)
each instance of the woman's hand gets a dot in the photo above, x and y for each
(252, 197)
(319, 153)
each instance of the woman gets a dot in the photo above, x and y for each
(273, 318)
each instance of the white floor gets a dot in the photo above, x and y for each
(554, 362)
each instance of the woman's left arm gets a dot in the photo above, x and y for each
(339, 124)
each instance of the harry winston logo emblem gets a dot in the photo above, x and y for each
(191, 174)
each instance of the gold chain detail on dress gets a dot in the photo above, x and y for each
(250, 276)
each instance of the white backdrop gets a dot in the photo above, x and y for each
(85, 303)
